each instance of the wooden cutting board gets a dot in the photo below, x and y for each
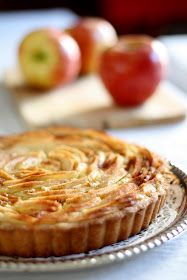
(86, 103)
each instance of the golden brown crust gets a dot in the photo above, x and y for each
(57, 241)
(66, 190)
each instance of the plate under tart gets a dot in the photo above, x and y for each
(123, 250)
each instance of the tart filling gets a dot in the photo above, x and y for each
(65, 190)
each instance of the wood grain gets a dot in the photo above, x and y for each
(86, 103)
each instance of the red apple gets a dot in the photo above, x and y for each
(93, 36)
(48, 58)
(132, 69)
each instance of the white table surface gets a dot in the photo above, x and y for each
(166, 262)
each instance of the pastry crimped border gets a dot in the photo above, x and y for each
(59, 241)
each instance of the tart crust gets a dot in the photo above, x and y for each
(49, 231)
(59, 241)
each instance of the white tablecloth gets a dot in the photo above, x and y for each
(166, 262)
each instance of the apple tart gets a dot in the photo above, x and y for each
(67, 190)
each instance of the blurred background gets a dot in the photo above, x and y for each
(154, 17)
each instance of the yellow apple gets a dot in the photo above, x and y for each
(48, 58)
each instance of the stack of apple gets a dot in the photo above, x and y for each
(131, 67)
